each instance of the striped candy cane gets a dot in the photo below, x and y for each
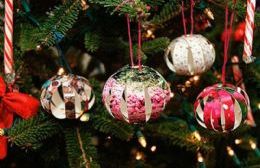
(249, 31)
(8, 42)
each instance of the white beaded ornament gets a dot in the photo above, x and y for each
(190, 55)
(67, 96)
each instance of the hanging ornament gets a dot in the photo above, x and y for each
(67, 96)
(190, 55)
(239, 33)
(221, 108)
(135, 95)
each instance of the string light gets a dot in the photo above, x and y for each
(38, 47)
(230, 151)
(141, 139)
(233, 156)
(196, 134)
(138, 156)
(61, 71)
(196, 78)
(253, 145)
(238, 141)
(200, 160)
(85, 117)
(258, 105)
(153, 148)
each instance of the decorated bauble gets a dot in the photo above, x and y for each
(136, 95)
(221, 108)
(190, 55)
(239, 33)
(67, 96)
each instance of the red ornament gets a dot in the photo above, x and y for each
(239, 33)
(21, 104)
(221, 108)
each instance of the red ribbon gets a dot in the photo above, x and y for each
(12, 103)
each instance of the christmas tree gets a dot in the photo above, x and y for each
(92, 39)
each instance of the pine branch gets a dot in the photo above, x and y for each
(169, 11)
(170, 131)
(92, 41)
(60, 20)
(155, 46)
(132, 8)
(31, 133)
(81, 153)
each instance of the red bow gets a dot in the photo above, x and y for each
(13, 102)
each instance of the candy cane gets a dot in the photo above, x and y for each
(249, 31)
(8, 42)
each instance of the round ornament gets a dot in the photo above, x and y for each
(221, 108)
(67, 96)
(190, 55)
(135, 95)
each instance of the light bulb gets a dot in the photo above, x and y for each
(238, 141)
(153, 148)
(230, 151)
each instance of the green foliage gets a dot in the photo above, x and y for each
(168, 11)
(27, 37)
(32, 133)
(132, 8)
(177, 133)
(60, 20)
(155, 46)
(92, 41)
(81, 153)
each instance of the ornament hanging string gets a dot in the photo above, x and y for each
(130, 40)
(183, 18)
(191, 17)
(227, 39)
(139, 54)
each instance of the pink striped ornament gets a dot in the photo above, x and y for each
(8, 41)
(249, 32)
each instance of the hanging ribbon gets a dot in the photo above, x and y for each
(191, 17)
(183, 18)
(227, 39)
(139, 54)
(139, 46)
(130, 40)
(11, 102)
